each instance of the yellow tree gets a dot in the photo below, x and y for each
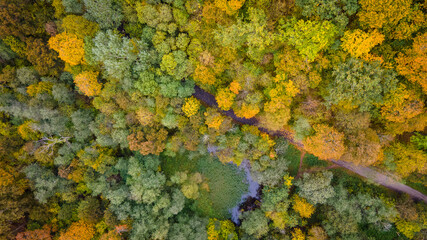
(376, 14)
(191, 106)
(326, 143)
(79, 26)
(413, 63)
(204, 75)
(229, 6)
(409, 159)
(225, 98)
(302, 207)
(88, 84)
(79, 231)
(359, 43)
(69, 47)
(402, 104)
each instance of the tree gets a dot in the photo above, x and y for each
(359, 43)
(316, 187)
(336, 11)
(107, 13)
(88, 84)
(204, 75)
(151, 140)
(69, 46)
(79, 26)
(229, 6)
(79, 231)
(408, 159)
(221, 230)
(255, 223)
(396, 18)
(191, 106)
(412, 63)
(38, 234)
(302, 207)
(308, 37)
(22, 19)
(326, 143)
(40, 56)
(360, 84)
(225, 98)
(297, 234)
(317, 233)
(363, 147)
(402, 104)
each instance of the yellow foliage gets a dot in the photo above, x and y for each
(79, 26)
(409, 159)
(377, 13)
(297, 234)
(288, 180)
(326, 144)
(27, 133)
(413, 64)
(213, 119)
(191, 106)
(401, 104)
(88, 84)
(225, 98)
(302, 207)
(279, 219)
(408, 228)
(39, 87)
(359, 43)
(204, 75)
(144, 116)
(221, 230)
(69, 47)
(229, 6)
(235, 87)
(247, 111)
(79, 231)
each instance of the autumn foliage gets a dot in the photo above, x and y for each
(326, 143)
(88, 84)
(69, 46)
(79, 231)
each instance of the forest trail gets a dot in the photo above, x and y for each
(366, 172)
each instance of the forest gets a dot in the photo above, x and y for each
(213, 119)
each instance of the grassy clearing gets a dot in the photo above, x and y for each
(226, 183)
(293, 156)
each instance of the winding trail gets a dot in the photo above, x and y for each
(366, 172)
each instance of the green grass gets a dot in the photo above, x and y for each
(226, 183)
(293, 156)
(312, 161)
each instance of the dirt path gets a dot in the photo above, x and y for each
(366, 172)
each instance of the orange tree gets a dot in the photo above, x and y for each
(326, 143)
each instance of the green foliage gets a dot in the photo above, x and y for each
(107, 13)
(255, 223)
(308, 37)
(336, 11)
(316, 187)
(44, 182)
(360, 84)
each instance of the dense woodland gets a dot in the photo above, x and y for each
(102, 138)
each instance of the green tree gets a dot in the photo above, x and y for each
(108, 13)
(255, 223)
(360, 84)
(316, 187)
(308, 37)
(336, 11)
